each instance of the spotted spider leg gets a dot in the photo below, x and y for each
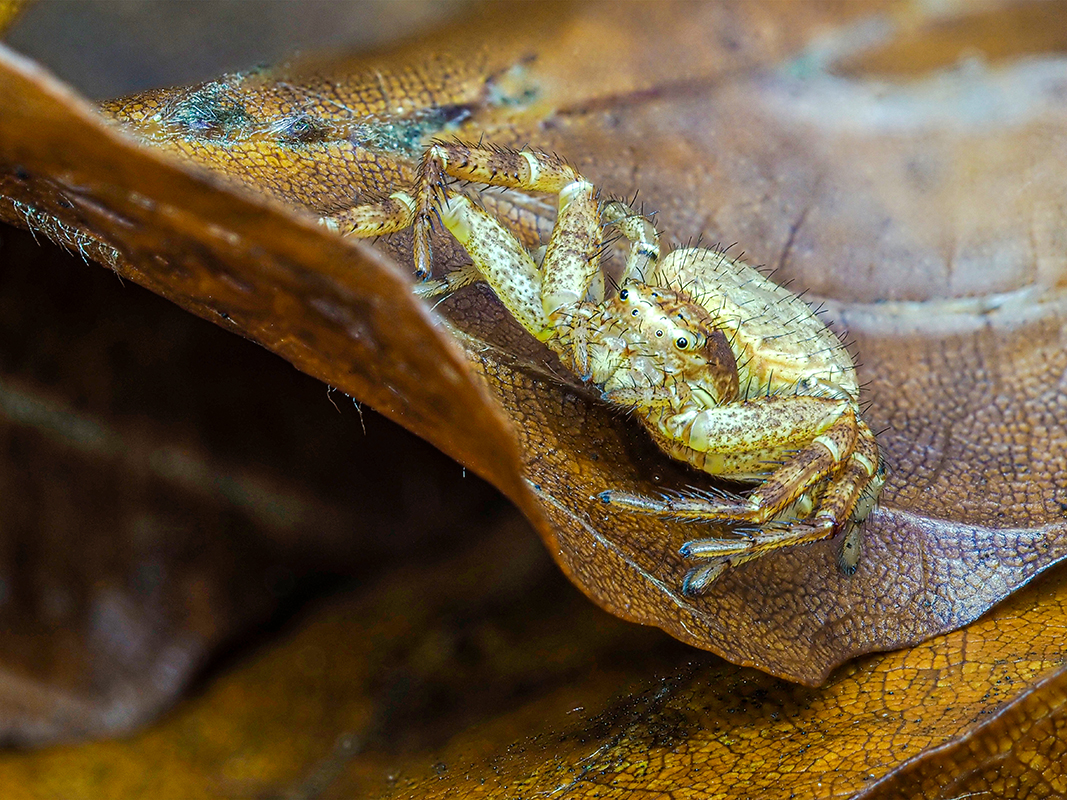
(844, 452)
(488, 165)
(541, 297)
(375, 218)
(538, 298)
(842, 504)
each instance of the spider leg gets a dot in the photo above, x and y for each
(734, 439)
(811, 464)
(452, 281)
(542, 300)
(644, 240)
(858, 478)
(489, 165)
(498, 257)
(844, 503)
(376, 218)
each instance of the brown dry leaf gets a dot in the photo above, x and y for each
(147, 520)
(948, 712)
(1020, 752)
(841, 184)
(418, 687)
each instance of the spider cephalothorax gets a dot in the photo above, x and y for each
(648, 346)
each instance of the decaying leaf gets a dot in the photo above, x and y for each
(1019, 752)
(617, 710)
(416, 686)
(701, 728)
(878, 198)
(146, 519)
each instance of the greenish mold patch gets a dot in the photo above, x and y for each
(408, 135)
(208, 113)
(513, 88)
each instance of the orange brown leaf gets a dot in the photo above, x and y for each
(524, 689)
(726, 133)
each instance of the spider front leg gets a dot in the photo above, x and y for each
(488, 165)
(375, 218)
(540, 298)
(644, 252)
(492, 165)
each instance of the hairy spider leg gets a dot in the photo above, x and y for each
(734, 439)
(488, 165)
(499, 258)
(536, 298)
(376, 218)
(644, 252)
(849, 495)
(858, 477)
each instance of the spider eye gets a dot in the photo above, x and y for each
(659, 333)
(624, 294)
(635, 312)
(682, 342)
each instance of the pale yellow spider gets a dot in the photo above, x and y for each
(727, 371)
